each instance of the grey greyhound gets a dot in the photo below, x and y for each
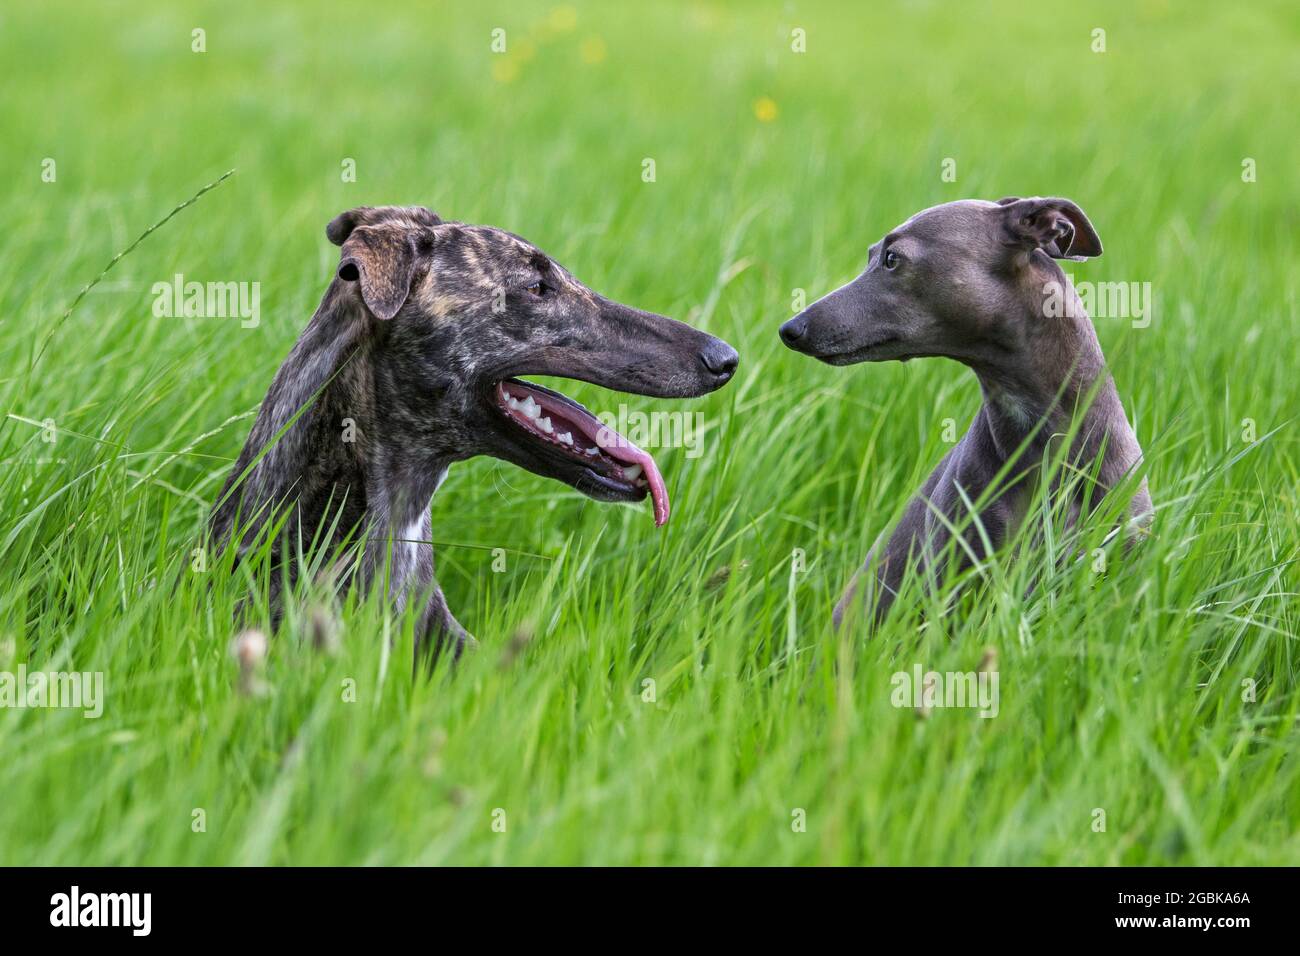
(409, 365)
(973, 281)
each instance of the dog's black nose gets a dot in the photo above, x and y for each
(719, 358)
(793, 331)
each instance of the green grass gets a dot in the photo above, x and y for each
(1120, 691)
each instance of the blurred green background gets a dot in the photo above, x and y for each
(774, 170)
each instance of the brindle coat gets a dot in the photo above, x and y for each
(422, 320)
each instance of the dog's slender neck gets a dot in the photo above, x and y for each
(406, 456)
(1033, 386)
(356, 455)
(1050, 374)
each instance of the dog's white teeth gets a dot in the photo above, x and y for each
(631, 472)
(567, 438)
(512, 403)
(545, 424)
(530, 407)
(591, 452)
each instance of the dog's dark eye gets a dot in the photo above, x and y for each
(891, 260)
(538, 289)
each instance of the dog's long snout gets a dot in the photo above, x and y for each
(719, 358)
(647, 354)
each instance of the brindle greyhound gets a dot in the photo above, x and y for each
(971, 280)
(410, 364)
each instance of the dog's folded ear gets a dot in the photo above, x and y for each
(1057, 226)
(382, 260)
(380, 251)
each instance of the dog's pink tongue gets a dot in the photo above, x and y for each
(616, 446)
(658, 490)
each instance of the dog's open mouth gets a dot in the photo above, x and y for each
(568, 428)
